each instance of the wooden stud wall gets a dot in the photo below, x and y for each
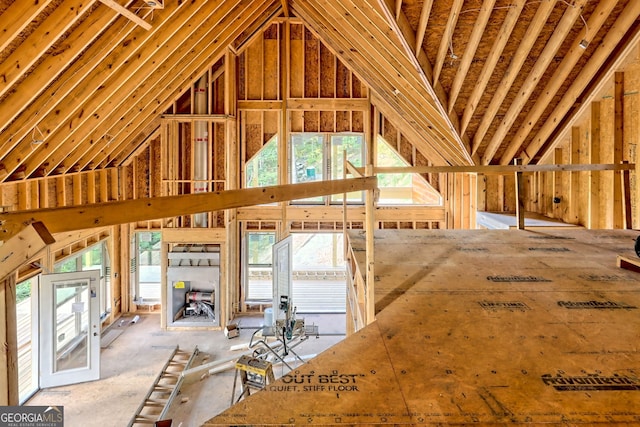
(607, 133)
(319, 88)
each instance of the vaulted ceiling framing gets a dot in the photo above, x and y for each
(467, 81)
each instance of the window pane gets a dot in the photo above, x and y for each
(307, 160)
(402, 188)
(259, 266)
(354, 146)
(27, 356)
(262, 169)
(149, 245)
(259, 248)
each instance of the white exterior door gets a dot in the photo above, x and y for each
(282, 277)
(69, 328)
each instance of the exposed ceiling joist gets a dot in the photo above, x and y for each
(515, 66)
(46, 88)
(395, 47)
(370, 55)
(120, 72)
(133, 77)
(57, 117)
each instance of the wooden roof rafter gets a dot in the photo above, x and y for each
(403, 27)
(127, 13)
(552, 87)
(515, 66)
(398, 8)
(16, 18)
(199, 57)
(571, 15)
(53, 114)
(123, 66)
(492, 59)
(446, 43)
(131, 78)
(422, 24)
(43, 81)
(627, 21)
(40, 40)
(370, 55)
(470, 51)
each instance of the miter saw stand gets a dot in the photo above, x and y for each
(284, 335)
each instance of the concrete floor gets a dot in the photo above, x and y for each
(130, 364)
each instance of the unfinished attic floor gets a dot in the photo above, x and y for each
(482, 327)
(131, 363)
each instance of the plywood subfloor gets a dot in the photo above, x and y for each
(486, 326)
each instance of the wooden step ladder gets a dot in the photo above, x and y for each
(254, 374)
(165, 387)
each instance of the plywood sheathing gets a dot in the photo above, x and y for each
(477, 327)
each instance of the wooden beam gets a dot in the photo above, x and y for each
(492, 59)
(470, 51)
(189, 118)
(259, 105)
(503, 169)
(123, 71)
(370, 307)
(111, 213)
(285, 8)
(553, 85)
(74, 92)
(593, 205)
(626, 199)
(328, 104)
(519, 197)
(398, 8)
(9, 394)
(358, 37)
(127, 13)
(533, 78)
(618, 142)
(574, 182)
(557, 186)
(63, 17)
(22, 244)
(422, 23)
(16, 17)
(446, 41)
(405, 30)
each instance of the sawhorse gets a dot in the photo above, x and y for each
(254, 373)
